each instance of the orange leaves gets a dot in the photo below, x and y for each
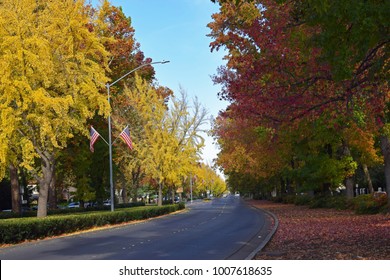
(247, 149)
(364, 142)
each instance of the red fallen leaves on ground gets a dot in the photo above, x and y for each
(325, 234)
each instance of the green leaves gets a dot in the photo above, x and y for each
(348, 32)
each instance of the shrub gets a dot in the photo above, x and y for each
(18, 230)
(289, 199)
(9, 215)
(276, 199)
(303, 200)
(336, 202)
(369, 204)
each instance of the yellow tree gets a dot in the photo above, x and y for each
(142, 108)
(51, 68)
(208, 181)
(166, 141)
(175, 142)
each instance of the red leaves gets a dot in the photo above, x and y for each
(329, 234)
(273, 75)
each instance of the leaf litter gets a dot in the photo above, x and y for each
(325, 234)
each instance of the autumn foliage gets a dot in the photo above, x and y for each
(309, 99)
(55, 59)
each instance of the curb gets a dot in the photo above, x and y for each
(268, 237)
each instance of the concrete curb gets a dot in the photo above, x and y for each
(268, 237)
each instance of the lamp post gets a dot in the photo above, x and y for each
(108, 85)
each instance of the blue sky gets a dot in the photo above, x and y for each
(176, 30)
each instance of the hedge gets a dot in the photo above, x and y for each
(362, 204)
(10, 215)
(369, 204)
(22, 229)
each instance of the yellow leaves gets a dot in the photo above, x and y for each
(206, 179)
(386, 129)
(52, 69)
(28, 154)
(166, 141)
(3, 153)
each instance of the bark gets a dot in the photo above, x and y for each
(52, 191)
(15, 189)
(160, 187)
(349, 185)
(173, 194)
(137, 175)
(135, 185)
(349, 180)
(385, 147)
(368, 178)
(124, 187)
(44, 183)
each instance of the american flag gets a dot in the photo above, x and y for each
(125, 135)
(94, 137)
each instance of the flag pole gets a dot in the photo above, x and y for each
(108, 85)
(110, 152)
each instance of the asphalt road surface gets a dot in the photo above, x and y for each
(224, 228)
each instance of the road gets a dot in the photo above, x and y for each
(224, 228)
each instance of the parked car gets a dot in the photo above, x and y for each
(74, 205)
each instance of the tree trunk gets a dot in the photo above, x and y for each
(173, 194)
(44, 184)
(52, 191)
(124, 187)
(385, 147)
(136, 184)
(349, 186)
(160, 187)
(348, 180)
(23, 183)
(368, 178)
(15, 189)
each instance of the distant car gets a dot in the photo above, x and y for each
(176, 200)
(88, 204)
(74, 205)
(107, 202)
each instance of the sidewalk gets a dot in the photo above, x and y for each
(325, 234)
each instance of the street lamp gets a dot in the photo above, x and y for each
(108, 85)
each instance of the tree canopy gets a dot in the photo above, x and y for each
(304, 74)
(55, 59)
